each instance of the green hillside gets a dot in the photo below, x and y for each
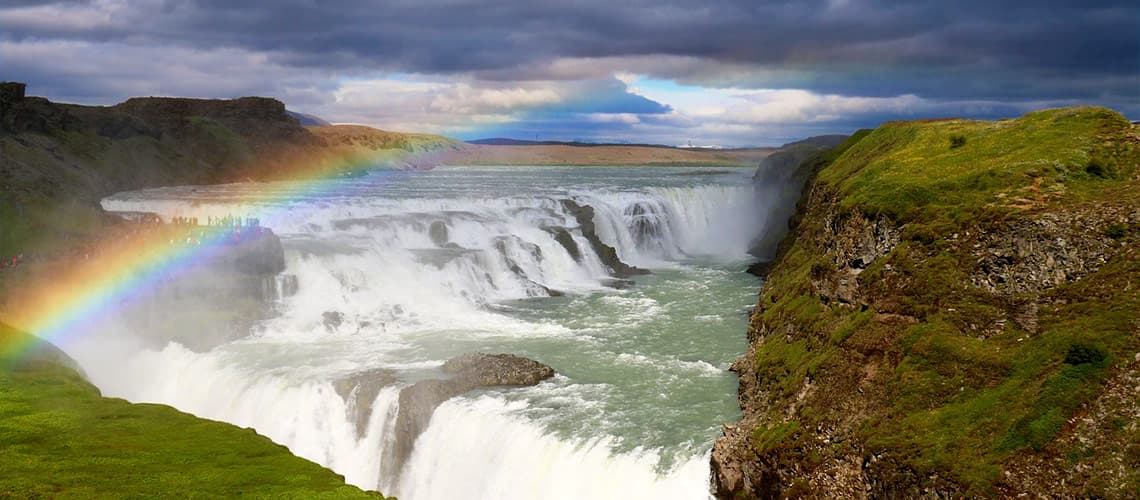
(958, 309)
(60, 438)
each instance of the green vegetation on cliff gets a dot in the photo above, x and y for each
(957, 310)
(914, 172)
(59, 438)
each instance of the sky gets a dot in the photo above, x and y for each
(725, 73)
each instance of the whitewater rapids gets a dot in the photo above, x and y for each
(417, 267)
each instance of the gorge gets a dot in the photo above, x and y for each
(925, 282)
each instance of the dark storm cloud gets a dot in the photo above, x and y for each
(967, 49)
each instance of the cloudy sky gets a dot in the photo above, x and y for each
(732, 72)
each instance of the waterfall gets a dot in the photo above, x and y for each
(399, 283)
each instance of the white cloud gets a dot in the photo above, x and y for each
(626, 118)
(434, 105)
(466, 105)
(109, 72)
(463, 98)
(793, 105)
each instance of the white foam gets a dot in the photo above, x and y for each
(484, 451)
(373, 263)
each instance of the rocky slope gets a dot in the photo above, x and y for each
(956, 312)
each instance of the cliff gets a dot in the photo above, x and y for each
(956, 312)
(58, 160)
(59, 438)
(779, 180)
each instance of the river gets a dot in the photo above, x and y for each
(402, 270)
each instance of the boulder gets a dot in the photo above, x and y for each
(470, 371)
(437, 231)
(489, 370)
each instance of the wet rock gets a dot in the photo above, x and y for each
(469, 372)
(215, 299)
(417, 403)
(437, 231)
(564, 238)
(259, 253)
(759, 269)
(359, 391)
(584, 214)
(549, 292)
(617, 283)
(332, 320)
(488, 370)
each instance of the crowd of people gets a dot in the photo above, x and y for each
(231, 228)
(9, 262)
(232, 221)
(224, 221)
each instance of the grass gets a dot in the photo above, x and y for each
(60, 438)
(907, 171)
(956, 389)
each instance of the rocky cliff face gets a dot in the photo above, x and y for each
(943, 322)
(779, 181)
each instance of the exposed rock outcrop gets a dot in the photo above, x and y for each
(584, 214)
(927, 332)
(856, 243)
(491, 370)
(359, 391)
(1037, 254)
(469, 372)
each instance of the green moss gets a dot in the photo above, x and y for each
(905, 170)
(766, 439)
(966, 386)
(59, 438)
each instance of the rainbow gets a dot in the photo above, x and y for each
(67, 302)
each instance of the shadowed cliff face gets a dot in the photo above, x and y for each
(213, 300)
(60, 159)
(779, 181)
(955, 312)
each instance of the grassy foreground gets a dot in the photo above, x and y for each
(928, 376)
(60, 438)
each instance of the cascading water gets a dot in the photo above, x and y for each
(397, 272)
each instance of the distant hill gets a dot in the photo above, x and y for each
(308, 120)
(502, 141)
(588, 154)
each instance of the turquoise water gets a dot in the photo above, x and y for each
(642, 386)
